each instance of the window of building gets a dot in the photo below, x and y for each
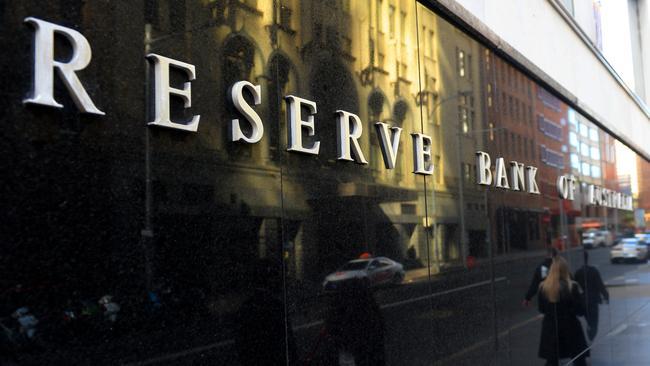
(584, 149)
(550, 128)
(491, 131)
(594, 153)
(392, 19)
(575, 161)
(586, 169)
(461, 63)
(511, 107)
(402, 26)
(595, 171)
(573, 139)
(572, 118)
(532, 149)
(489, 95)
(593, 134)
(437, 168)
(467, 172)
(568, 5)
(552, 158)
(584, 130)
(463, 116)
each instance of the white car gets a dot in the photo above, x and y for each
(629, 249)
(371, 271)
(596, 238)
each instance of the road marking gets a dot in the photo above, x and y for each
(187, 352)
(230, 342)
(490, 339)
(617, 330)
(446, 292)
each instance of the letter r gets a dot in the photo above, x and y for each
(44, 65)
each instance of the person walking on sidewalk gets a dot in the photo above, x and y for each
(539, 275)
(560, 301)
(594, 293)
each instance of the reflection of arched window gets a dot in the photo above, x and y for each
(238, 62)
(400, 114)
(279, 69)
(238, 59)
(376, 103)
(377, 107)
(400, 109)
(332, 87)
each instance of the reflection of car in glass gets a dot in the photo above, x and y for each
(629, 249)
(596, 238)
(372, 271)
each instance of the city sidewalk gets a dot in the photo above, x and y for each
(627, 344)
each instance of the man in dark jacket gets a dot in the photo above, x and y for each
(594, 292)
(539, 275)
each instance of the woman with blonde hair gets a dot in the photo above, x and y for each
(561, 303)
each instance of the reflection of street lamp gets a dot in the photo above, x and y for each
(461, 188)
(421, 98)
(461, 195)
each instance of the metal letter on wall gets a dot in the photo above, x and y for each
(483, 172)
(163, 91)
(562, 185)
(44, 64)
(501, 174)
(517, 176)
(388, 150)
(237, 97)
(531, 183)
(345, 136)
(296, 123)
(421, 154)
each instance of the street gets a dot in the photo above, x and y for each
(451, 319)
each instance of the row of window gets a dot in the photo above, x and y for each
(585, 168)
(549, 128)
(549, 99)
(551, 157)
(512, 77)
(583, 148)
(514, 144)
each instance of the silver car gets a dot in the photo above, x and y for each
(370, 271)
(629, 249)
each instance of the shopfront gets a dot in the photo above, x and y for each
(271, 182)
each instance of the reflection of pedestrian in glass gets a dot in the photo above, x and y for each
(355, 327)
(539, 275)
(594, 293)
(263, 335)
(561, 303)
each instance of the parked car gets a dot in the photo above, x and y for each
(629, 249)
(593, 238)
(371, 271)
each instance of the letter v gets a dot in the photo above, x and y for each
(388, 150)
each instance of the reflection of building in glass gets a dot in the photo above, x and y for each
(551, 129)
(643, 198)
(511, 134)
(592, 158)
(341, 55)
(453, 118)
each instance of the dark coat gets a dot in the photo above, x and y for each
(262, 337)
(538, 276)
(594, 289)
(562, 334)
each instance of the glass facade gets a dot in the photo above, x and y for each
(133, 244)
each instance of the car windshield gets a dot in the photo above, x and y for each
(354, 266)
(630, 241)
